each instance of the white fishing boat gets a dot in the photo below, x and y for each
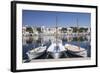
(56, 50)
(76, 50)
(36, 52)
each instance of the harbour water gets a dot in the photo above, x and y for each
(32, 42)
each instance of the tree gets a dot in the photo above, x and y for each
(75, 29)
(83, 29)
(39, 29)
(64, 30)
(29, 29)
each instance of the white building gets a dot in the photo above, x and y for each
(23, 30)
(35, 32)
(50, 30)
(69, 30)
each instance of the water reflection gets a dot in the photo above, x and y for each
(30, 42)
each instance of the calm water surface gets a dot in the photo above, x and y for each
(36, 41)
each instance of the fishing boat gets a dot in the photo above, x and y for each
(75, 50)
(56, 49)
(36, 52)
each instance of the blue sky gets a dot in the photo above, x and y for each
(48, 18)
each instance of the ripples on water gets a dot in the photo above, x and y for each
(33, 42)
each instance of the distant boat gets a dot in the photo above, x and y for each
(56, 50)
(75, 50)
(36, 52)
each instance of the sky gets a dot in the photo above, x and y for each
(48, 18)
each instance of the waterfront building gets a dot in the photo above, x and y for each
(89, 30)
(48, 30)
(69, 30)
(35, 32)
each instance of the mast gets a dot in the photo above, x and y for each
(78, 33)
(56, 29)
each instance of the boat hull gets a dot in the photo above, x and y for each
(56, 55)
(79, 53)
(36, 53)
(75, 50)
